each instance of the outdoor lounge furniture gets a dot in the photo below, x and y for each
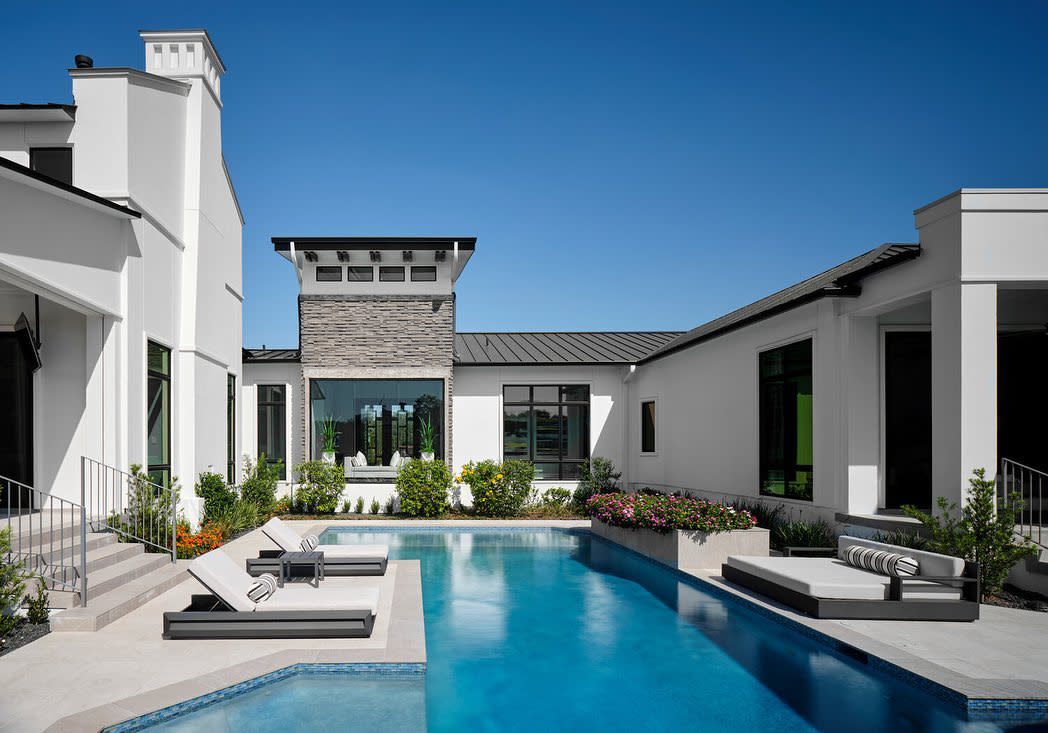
(303, 612)
(944, 588)
(376, 474)
(338, 559)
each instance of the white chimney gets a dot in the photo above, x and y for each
(184, 54)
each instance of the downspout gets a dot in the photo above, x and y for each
(294, 263)
(626, 423)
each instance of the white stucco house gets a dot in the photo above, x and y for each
(120, 273)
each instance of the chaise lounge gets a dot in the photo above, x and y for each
(304, 612)
(941, 588)
(338, 559)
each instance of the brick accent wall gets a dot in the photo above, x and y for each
(377, 337)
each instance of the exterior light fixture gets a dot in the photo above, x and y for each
(408, 255)
(343, 255)
(440, 255)
(310, 256)
(376, 256)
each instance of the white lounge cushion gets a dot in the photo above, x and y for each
(831, 578)
(362, 460)
(223, 577)
(324, 598)
(353, 550)
(930, 563)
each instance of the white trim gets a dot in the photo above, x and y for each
(134, 76)
(882, 394)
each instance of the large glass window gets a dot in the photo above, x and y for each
(272, 425)
(547, 425)
(376, 417)
(647, 426)
(158, 413)
(231, 429)
(786, 421)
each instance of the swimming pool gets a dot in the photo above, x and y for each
(547, 630)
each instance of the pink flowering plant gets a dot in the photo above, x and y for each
(663, 513)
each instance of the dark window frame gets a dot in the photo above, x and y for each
(424, 269)
(654, 430)
(787, 466)
(560, 403)
(360, 270)
(231, 428)
(328, 270)
(52, 149)
(391, 270)
(164, 468)
(267, 405)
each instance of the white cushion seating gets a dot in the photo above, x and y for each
(289, 541)
(230, 583)
(931, 563)
(360, 459)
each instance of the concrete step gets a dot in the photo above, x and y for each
(43, 531)
(109, 554)
(111, 578)
(104, 609)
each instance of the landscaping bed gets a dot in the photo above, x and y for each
(24, 633)
(1012, 597)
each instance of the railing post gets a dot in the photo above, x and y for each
(83, 537)
(174, 527)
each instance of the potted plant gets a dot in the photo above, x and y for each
(427, 439)
(329, 434)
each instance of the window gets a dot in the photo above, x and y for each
(391, 274)
(331, 274)
(231, 429)
(647, 426)
(423, 274)
(376, 417)
(158, 413)
(360, 274)
(547, 425)
(272, 425)
(786, 421)
(54, 163)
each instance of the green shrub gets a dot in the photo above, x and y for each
(320, 486)
(375, 506)
(391, 504)
(984, 532)
(260, 483)
(423, 488)
(596, 476)
(12, 586)
(555, 497)
(217, 496)
(802, 534)
(238, 517)
(901, 538)
(767, 515)
(146, 515)
(360, 505)
(36, 604)
(346, 506)
(499, 489)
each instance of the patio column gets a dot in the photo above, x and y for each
(964, 386)
(862, 414)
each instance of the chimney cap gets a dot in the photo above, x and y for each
(83, 62)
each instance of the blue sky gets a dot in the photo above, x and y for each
(646, 166)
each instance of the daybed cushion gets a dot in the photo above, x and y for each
(322, 599)
(368, 551)
(223, 577)
(362, 460)
(931, 563)
(879, 561)
(395, 459)
(832, 578)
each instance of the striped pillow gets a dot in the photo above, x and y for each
(263, 588)
(310, 542)
(880, 561)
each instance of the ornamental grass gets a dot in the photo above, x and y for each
(663, 513)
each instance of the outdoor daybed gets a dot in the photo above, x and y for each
(944, 588)
(338, 559)
(287, 613)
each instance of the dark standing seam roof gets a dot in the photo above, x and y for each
(840, 281)
(271, 356)
(557, 348)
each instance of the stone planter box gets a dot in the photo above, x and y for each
(686, 548)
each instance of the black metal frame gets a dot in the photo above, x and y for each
(559, 405)
(895, 608)
(207, 617)
(267, 562)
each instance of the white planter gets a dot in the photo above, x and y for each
(685, 548)
(428, 456)
(328, 456)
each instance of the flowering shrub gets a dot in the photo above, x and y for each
(499, 489)
(189, 545)
(423, 488)
(663, 513)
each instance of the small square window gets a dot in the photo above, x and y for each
(360, 274)
(391, 274)
(647, 426)
(423, 274)
(56, 163)
(329, 274)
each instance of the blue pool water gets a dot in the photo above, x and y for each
(553, 631)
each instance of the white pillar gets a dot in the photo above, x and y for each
(861, 363)
(964, 386)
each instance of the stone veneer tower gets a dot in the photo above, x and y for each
(376, 308)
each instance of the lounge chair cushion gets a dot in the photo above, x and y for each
(223, 577)
(930, 563)
(322, 599)
(832, 578)
(285, 537)
(879, 561)
(368, 551)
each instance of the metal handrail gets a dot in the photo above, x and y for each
(130, 505)
(1017, 481)
(37, 544)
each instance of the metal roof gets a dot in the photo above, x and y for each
(557, 348)
(840, 281)
(271, 356)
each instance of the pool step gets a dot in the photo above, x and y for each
(105, 608)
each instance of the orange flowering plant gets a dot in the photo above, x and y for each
(191, 545)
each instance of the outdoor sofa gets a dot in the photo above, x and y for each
(304, 612)
(357, 469)
(338, 559)
(943, 588)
